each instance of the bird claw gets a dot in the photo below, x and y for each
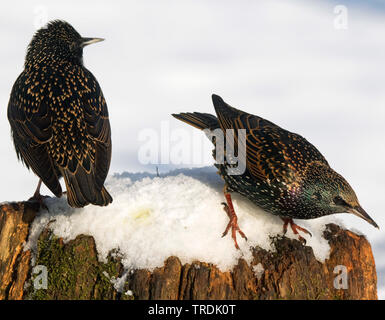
(305, 231)
(233, 224)
(302, 240)
(295, 228)
(40, 200)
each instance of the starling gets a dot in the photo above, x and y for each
(59, 117)
(284, 173)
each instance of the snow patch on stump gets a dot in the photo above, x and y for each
(177, 214)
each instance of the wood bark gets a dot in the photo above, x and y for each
(74, 271)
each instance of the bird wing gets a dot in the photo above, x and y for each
(28, 111)
(272, 153)
(81, 144)
(98, 127)
(31, 123)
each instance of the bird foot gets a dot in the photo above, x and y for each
(295, 228)
(40, 200)
(233, 224)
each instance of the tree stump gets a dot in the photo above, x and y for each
(74, 271)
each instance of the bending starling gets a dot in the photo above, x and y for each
(285, 174)
(59, 118)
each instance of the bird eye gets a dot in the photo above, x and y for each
(340, 202)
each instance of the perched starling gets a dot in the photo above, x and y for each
(284, 173)
(59, 118)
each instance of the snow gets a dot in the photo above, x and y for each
(258, 270)
(117, 282)
(176, 214)
(129, 293)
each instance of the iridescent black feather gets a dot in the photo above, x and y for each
(285, 174)
(59, 117)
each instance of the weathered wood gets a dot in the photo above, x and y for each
(15, 220)
(74, 271)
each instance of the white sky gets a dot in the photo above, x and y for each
(283, 61)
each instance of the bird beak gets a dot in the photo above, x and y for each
(359, 212)
(87, 41)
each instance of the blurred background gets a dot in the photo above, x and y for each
(313, 67)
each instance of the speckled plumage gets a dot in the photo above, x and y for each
(59, 117)
(285, 174)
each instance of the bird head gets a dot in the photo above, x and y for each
(58, 40)
(332, 193)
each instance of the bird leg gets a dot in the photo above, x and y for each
(233, 223)
(38, 197)
(294, 227)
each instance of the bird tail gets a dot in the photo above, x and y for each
(224, 110)
(82, 189)
(199, 120)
